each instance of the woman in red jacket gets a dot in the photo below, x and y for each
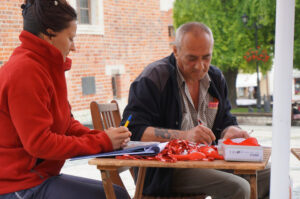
(37, 129)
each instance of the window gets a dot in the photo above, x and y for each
(171, 31)
(84, 11)
(297, 86)
(90, 16)
(88, 85)
(116, 83)
(115, 72)
(114, 86)
(241, 92)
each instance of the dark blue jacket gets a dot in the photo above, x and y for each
(154, 101)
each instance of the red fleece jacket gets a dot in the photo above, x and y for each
(35, 117)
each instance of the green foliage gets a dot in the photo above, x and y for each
(297, 36)
(232, 38)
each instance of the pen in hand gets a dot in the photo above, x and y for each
(201, 124)
(128, 120)
(124, 144)
(250, 132)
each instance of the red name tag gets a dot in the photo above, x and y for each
(213, 105)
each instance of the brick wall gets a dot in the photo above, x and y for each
(10, 27)
(135, 34)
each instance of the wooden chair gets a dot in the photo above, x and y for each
(296, 152)
(108, 115)
(105, 116)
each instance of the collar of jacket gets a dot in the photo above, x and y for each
(44, 49)
(212, 88)
(173, 74)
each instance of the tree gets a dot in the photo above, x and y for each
(232, 38)
(297, 36)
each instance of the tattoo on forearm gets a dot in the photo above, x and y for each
(165, 133)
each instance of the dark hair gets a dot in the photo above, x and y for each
(39, 15)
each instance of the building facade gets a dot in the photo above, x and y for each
(115, 40)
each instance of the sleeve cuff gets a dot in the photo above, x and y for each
(107, 144)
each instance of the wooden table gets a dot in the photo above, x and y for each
(107, 164)
(296, 152)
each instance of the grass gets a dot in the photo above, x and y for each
(239, 110)
(245, 110)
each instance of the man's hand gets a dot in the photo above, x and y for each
(235, 132)
(119, 137)
(200, 134)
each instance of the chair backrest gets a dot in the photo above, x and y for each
(105, 115)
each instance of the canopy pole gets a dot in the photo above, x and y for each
(284, 41)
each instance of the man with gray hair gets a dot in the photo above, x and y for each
(168, 100)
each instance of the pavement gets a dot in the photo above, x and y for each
(262, 133)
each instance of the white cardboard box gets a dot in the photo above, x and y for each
(239, 152)
(243, 153)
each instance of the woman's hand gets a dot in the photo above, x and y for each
(119, 137)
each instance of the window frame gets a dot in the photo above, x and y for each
(79, 11)
(96, 26)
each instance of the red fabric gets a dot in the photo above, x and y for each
(35, 117)
(181, 150)
(251, 141)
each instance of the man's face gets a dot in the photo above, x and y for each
(194, 56)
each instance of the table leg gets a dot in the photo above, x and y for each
(107, 184)
(253, 186)
(140, 183)
(253, 181)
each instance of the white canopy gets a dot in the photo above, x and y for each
(246, 80)
(284, 41)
